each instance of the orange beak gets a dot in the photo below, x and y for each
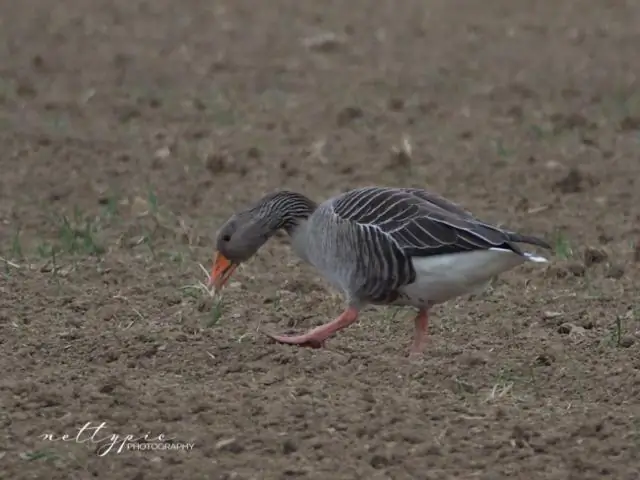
(221, 271)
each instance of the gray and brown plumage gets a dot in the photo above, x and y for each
(377, 245)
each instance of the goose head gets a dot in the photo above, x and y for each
(245, 232)
(238, 240)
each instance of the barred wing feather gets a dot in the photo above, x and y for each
(419, 223)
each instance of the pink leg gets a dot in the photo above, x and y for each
(420, 335)
(316, 337)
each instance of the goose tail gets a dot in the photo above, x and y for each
(532, 257)
(531, 240)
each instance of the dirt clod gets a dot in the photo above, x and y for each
(254, 152)
(627, 341)
(219, 162)
(395, 104)
(379, 461)
(630, 123)
(544, 360)
(615, 271)
(571, 121)
(592, 256)
(565, 328)
(348, 114)
(577, 269)
(289, 446)
(574, 181)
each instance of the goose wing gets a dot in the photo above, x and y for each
(384, 228)
(421, 223)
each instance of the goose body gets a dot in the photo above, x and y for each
(404, 247)
(380, 245)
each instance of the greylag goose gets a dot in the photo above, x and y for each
(379, 246)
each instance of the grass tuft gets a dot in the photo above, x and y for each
(78, 235)
(562, 246)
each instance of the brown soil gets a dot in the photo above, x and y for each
(132, 129)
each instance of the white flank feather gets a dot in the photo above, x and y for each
(442, 277)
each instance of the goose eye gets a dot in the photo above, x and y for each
(226, 238)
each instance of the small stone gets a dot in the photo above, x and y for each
(549, 315)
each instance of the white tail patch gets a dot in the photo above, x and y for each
(535, 258)
(441, 277)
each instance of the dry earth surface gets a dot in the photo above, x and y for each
(131, 129)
